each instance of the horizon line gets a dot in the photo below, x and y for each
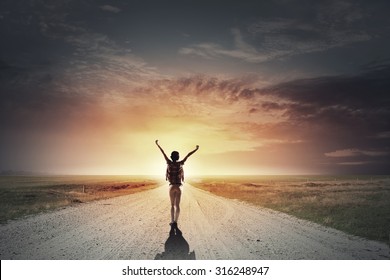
(34, 173)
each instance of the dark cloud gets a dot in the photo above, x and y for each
(110, 8)
(289, 28)
(319, 26)
(353, 100)
(271, 106)
(340, 113)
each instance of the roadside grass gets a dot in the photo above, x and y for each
(22, 196)
(358, 207)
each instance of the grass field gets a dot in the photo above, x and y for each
(26, 195)
(357, 205)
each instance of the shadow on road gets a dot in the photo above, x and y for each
(176, 248)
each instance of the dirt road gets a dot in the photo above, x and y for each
(136, 227)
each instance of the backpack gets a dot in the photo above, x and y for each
(175, 173)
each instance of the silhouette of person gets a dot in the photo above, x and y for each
(176, 248)
(175, 176)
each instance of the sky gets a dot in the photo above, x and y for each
(263, 87)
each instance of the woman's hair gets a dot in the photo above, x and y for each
(175, 156)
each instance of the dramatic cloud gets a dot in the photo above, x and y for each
(242, 50)
(336, 24)
(356, 152)
(279, 124)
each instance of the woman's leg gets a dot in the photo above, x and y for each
(175, 196)
(177, 203)
(172, 197)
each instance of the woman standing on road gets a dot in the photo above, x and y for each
(175, 176)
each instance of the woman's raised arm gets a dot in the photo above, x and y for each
(190, 153)
(165, 156)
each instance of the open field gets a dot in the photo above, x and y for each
(136, 227)
(359, 206)
(356, 205)
(25, 195)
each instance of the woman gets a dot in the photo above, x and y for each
(175, 176)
